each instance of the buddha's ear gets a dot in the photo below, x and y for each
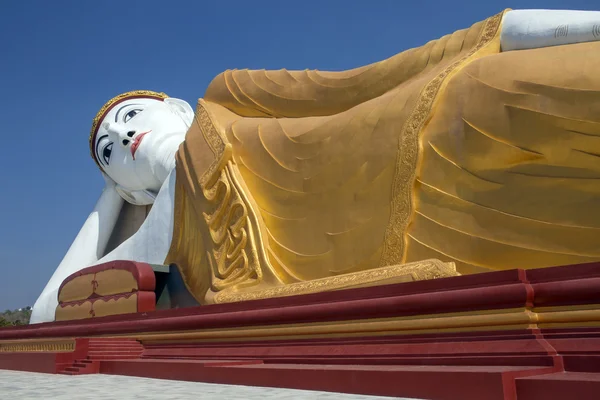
(136, 197)
(182, 108)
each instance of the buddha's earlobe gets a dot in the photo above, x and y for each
(182, 108)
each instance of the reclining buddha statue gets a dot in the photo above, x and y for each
(476, 152)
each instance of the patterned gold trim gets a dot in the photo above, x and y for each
(421, 270)
(217, 143)
(394, 247)
(31, 347)
(109, 104)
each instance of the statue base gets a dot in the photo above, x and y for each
(502, 335)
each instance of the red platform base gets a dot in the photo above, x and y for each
(515, 335)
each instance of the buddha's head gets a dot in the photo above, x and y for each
(134, 139)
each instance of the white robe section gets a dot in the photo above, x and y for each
(531, 29)
(151, 243)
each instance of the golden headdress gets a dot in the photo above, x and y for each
(136, 94)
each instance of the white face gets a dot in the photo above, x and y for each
(137, 141)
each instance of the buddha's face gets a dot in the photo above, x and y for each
(137, 141)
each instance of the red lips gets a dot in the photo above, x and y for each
(137, 141)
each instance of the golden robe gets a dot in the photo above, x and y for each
(451, 151)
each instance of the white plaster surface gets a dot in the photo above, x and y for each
(35, 386)
(532, 29)
(151, 243)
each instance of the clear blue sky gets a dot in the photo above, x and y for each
(61, 60)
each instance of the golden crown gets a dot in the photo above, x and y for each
(135, 94)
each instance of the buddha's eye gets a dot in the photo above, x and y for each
(131, 114)
(106, 152)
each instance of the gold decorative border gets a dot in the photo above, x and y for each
(394, 246)
(217, 143)
(421, 270)
(37, 347)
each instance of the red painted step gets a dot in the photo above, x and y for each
(559, 386)
(92, 354)
(113, 357)
(431, 382)
(65, 372)
(102, 350)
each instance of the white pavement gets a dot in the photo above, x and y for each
(29, 385)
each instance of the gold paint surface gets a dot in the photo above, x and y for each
(394, 248)
(115, 281)
(99, 308)
(120, 305)
(79, 288)
(293, 182)
(73, 311)
(285, 177)
(509, 170)
(103, 283)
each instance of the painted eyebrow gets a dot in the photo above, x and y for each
(122, 107)
(98, 141)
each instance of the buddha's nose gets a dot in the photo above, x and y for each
(126, 137)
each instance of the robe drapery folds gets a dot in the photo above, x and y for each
(452, 151)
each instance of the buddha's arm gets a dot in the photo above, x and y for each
(309, 93)
(86, 249)
(530, 29)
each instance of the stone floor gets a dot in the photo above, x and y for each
(34, 386)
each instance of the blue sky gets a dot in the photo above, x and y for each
(61, 60)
